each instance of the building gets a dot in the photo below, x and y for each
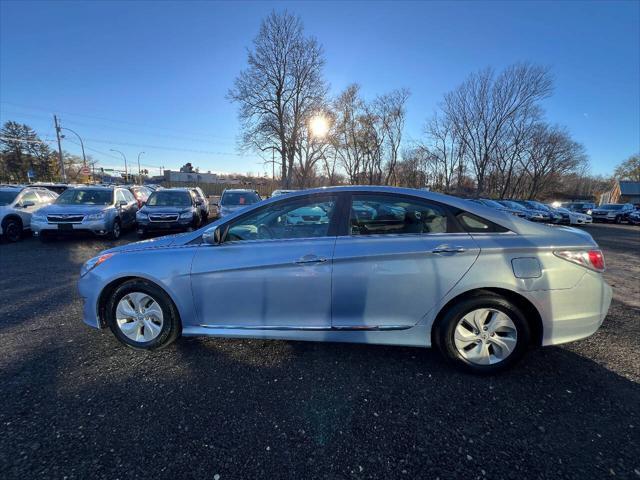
(193, 177)
(623, 191)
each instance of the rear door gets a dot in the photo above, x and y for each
(402, 254)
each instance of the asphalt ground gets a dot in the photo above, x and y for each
(76, 404)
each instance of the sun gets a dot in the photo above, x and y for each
(319, 126)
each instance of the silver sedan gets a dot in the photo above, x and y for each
(380, 265)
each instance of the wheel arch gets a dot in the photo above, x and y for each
(110, 287)
(529, 310)
(13, 216)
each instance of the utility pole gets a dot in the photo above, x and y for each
(139, 175)
(84, 157)
(126, 174)
(55, 122)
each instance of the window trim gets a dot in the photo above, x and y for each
(331, 232)
(453, 226)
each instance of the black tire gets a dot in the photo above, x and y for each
(12, 229)
(443, 332)
(116, 230)
(618, 219)
(142, 234)
(171, 327)
(46, 237)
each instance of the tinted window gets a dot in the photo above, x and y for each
(169, 198)
(611, 206)
(388, 214)
(304, 218)
(120, 197)
(239, 198)
(85, 197)
(7, 197)
(128, 196)
(473, 223)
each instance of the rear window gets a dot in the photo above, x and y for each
(474, 224)
(239, 198)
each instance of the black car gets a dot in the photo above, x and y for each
(169, 210)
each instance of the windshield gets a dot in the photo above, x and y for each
(611, 206)
(514, 205)
(491, 203)
(7, 196)
(167, 198)
(239, 198)
(85, 197)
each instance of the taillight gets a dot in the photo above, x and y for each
(591, 259)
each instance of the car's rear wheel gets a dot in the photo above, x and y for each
(483, 334)
(12, 228)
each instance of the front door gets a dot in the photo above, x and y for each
(272, 270)
(399, 259)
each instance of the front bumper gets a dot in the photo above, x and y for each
(97, 227)
(573, 313)
(180, 224)
(89, 289)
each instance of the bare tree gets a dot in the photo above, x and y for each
(482, 107)
(280, 89)
(629, 169)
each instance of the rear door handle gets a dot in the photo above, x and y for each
(310, 259)
(448, 249)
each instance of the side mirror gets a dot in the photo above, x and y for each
(27, 204)
(122, 203)
(212, 236)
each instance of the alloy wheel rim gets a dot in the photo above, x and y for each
(139, 317)
(485, 336)
(116, 229)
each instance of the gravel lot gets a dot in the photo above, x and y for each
(77, 404)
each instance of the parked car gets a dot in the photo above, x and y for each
(236, 199)
(203, 203)
(548, 214)
(57, 188)
(575, 218)
(420, 279)
(498, 206)
(275, 193)
(102, 211)
(531, 215)
(634, 217)
(141, 194)
(583, 207)
(612, 212)
(169, 209)
(17, 206)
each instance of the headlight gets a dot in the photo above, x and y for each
(94, 262)
(185, 215)
(95, 216)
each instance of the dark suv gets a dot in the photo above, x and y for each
(169, 209)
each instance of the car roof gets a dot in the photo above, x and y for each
(243, 190)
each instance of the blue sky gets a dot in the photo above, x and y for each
(143, 76)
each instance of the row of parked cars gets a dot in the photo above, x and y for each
(103, 210)
(51, 210)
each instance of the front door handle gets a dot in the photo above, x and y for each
(448, 249)
(310, 259)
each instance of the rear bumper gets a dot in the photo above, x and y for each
(574, 313)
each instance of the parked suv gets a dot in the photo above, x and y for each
(102, 211)
(17, 205)
(236, 199)
(203, 203)
(169, 209)
(612, 212)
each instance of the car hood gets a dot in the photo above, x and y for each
(77, 209)
(152, 243)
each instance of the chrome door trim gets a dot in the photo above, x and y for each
(327, 328)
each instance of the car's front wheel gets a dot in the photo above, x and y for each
(141, 315)
(116, 230)
(483, 334)
(12, 229)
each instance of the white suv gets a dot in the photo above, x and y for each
(17, 204)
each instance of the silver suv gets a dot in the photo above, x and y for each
(103, 211)
(17, 205)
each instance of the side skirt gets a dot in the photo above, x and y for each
(415, 336)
